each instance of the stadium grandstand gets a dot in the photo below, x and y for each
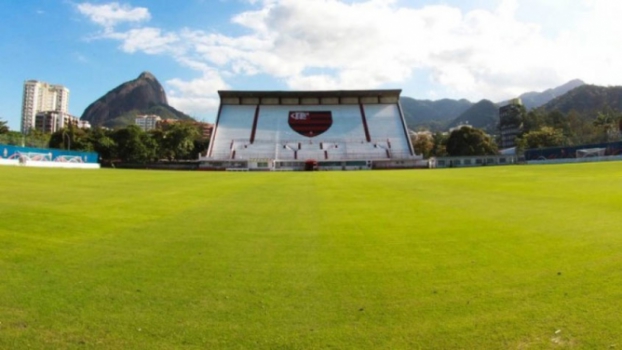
(293, 130)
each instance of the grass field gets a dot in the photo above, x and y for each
(521, 257)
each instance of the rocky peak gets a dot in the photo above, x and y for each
(141, 95)
(147, 75)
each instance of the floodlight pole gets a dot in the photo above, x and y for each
(68, 140)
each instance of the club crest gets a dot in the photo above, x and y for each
(310, 124)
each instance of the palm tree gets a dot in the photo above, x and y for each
(610, 124)
(3, 127)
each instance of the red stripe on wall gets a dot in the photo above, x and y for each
(211, 142)
(410, 145)
(367, 137)
(255, 124)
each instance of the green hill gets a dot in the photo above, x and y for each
(588, 99)
(482, 115)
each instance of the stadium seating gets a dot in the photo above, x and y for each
(345, 139)
(386, 128)
(234, 125)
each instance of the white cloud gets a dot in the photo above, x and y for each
(208, 83)
(197, 96)
(109, 15)
(337, 44)
(196, 107)
(147, 40)
(375, 43)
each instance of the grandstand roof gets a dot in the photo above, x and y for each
(336, 97)
(325, 93)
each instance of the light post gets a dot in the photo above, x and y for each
(68, 140)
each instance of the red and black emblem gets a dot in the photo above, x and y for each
(310, 124)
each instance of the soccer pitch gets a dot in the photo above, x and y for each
(518, 257)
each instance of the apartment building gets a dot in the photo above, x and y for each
(50, 121)
(42, 97)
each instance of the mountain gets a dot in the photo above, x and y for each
(587, 99)
(482, 115)
(119, 107)
(442, 114)
(434, 115)
(533, 100)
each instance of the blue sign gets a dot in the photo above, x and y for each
(47, 155)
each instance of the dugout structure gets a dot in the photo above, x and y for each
(599, 150)
(591, 152)
(284, 130)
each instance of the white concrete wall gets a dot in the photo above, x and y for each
(34, 164)
(9, 162)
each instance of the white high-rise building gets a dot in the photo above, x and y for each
(42, 97)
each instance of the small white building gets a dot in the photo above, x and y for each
(147, 122)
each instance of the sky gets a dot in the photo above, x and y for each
(472, 49)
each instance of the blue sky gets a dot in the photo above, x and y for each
(476, 49)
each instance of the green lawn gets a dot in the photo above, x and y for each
(519, 257)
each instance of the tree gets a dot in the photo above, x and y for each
(440, 145)
(13, 138)
(580, 130)
(179, 139)
(423, 144)
(103, 143)
(134, 145)
(176, 140)
(201, 146)
(533, 120)
(37, 139)
(468, 141)
(71, 138)
(162, 150)
(556, 119)
(4, 128)
(610, 123)
(543, 138)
